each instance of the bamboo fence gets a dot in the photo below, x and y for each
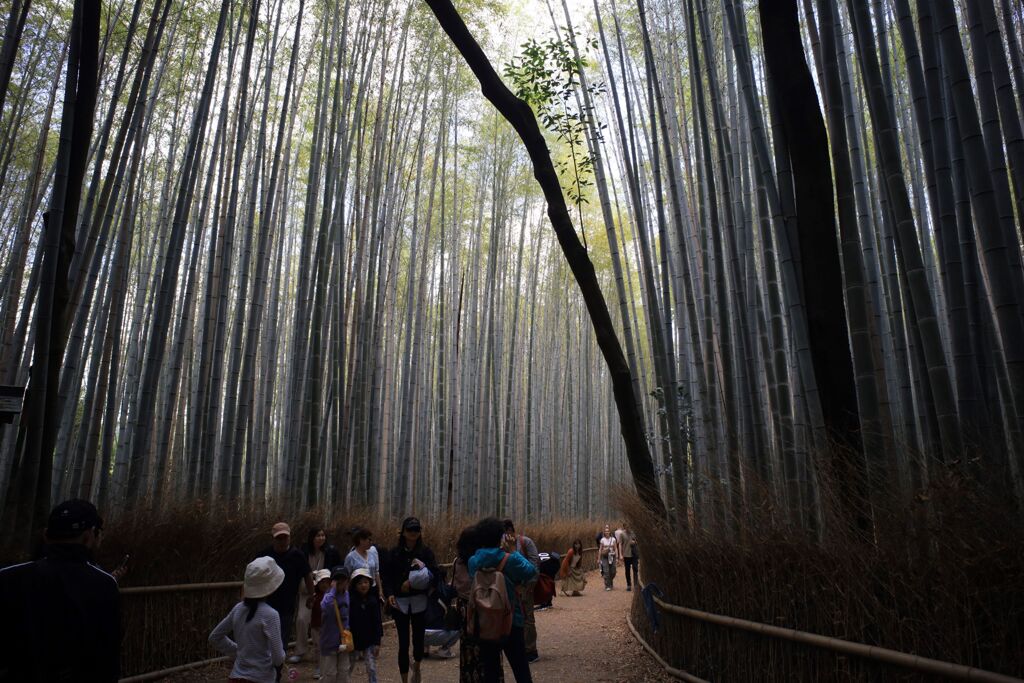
(869, 653)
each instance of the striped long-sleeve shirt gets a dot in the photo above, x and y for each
(256, 647)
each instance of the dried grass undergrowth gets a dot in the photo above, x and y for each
(942, 577)
(197, 543)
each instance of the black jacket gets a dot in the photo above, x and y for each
(364, 619)
(436, 609)
(61, 619)
(395, 565)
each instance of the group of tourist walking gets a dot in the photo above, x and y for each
(612, 547)
(342, 603)
(336, 603)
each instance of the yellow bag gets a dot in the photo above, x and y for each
(347, 644)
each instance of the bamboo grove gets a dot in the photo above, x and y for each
(307, 263)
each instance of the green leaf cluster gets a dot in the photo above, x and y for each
(547, 76)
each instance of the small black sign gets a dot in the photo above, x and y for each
(11, 400)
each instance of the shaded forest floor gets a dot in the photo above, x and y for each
(581, 640)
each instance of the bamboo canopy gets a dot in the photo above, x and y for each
(278, 252)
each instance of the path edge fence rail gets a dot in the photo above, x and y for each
(677, 673)
(180, 588)
(208, 586)
(869, 652)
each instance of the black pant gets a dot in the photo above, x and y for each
(418, 621)
(287, 622)
(631, 564)
(514, 648)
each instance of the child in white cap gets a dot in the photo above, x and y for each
(322, 584)
(365, 620)
(255, 625)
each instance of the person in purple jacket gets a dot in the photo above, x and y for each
(518, 571)
(333, 660)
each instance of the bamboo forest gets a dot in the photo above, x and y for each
(737, 270)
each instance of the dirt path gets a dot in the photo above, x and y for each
(581, 640)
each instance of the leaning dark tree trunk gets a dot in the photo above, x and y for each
(33, 470)
(519, 114)
(807, 148)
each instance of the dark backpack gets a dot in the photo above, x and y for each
(461, 583)
(456, 597)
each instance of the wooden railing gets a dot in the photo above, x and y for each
(165, 626)
(872, 653)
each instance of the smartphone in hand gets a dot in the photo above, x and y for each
(122, 567)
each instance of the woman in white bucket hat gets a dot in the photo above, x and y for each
(255, 625)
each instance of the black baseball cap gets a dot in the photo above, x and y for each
(71, 518)
(339, 573)
(411, 524)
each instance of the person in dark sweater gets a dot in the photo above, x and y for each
(296, 571)
(62, 612)
(365, 620)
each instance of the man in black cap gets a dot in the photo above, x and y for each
(61, 613)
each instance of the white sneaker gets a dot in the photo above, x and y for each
(607, 588)
(316, 674)
(294, 659)
(445, 653)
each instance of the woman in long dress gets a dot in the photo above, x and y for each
(571, 571)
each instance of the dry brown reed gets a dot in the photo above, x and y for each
(201, 542)
(940, 576)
